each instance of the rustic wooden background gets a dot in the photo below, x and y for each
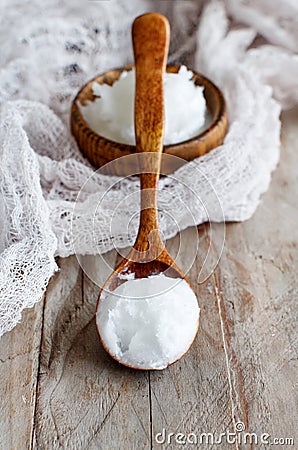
(59, 389)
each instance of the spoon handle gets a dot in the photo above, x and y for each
(151, 35)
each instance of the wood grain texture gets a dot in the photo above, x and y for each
(192, 396)
(151, 37)
(83, 394)
(242, 366)
(19, 368)
(256, 286)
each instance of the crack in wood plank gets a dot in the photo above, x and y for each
(150, 411)
(38, 374)
(159, 405)
(141, 423)
(13, 357)
(226, 345)
(103, 421)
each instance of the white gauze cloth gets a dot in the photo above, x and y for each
(49, 49)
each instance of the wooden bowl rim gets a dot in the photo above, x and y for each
(203, 136)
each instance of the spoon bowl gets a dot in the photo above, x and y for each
(164, 264)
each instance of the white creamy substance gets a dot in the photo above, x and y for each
(148, 322)
(112, 115)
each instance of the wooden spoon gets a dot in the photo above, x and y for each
(148, 256)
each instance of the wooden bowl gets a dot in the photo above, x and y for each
(100, 150)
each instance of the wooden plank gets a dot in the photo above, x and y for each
(19, 351)
(241, 366)
(257, 290)
(128, 423)
(85, 400)
(192, 396)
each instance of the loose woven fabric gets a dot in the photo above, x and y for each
(49, 49)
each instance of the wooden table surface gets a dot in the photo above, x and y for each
(59, 389)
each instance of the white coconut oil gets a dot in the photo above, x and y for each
(112, 114)
(148, 322)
